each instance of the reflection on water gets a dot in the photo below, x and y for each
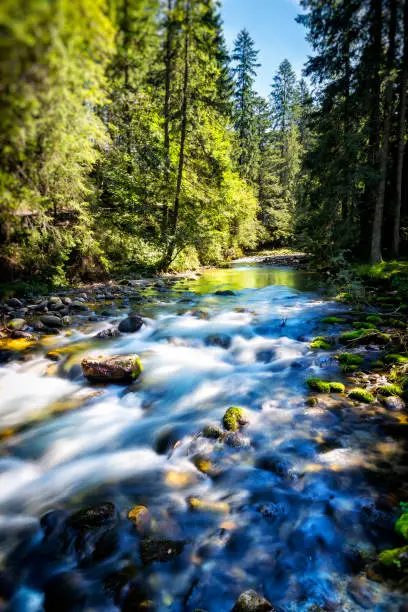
(282, 507)
(252, 277)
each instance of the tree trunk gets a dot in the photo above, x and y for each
(401, 137)
(376, 233)
(168, 76)
(183, 133)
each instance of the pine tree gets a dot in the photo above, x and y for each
(245, 62)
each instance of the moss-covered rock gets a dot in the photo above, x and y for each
(325, 387)
(112, 368)
(376, 319)
(361, 395)
(333, 321)
(234, 418)
(212, 431)
(378, 364)
(401, 526)
(17, 324)
(392, 557)
(364, 325)
(318, 385)
(320, 342)
(337, 387)
(396, 358)
(140, 517)
(350, 359)
(388, 390)
(365, 336)
(312, 401)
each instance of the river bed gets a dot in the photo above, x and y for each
(300, 496)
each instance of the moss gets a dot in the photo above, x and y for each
(320, 342)
(312, 401)
(336, 387)
(362, 395)
(395, 358)
(15, 344)
(388, 390)
(351, 335)
(391, 557)
(364, 325)
(401, 526)
(376, 319)
(350, 359)
(318, 385)
(332, 320)
(378, 364)
(233, 418)
(344, 297)
(347, 369)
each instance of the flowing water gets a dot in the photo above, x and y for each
(302, 493)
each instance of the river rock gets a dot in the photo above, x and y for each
(212, 431)
(112, 368)
(221, 340)
(66, 321)
(251, 601)
(17, 324)
(110, 332)
(78, 305)
(14, 303)
(131, 324)
(237, 440)
(224, 292)
(152, 550)
(393, 403)
(51, 321)
(93, 516)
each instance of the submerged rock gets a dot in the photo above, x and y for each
(251, 601)
(393, 403)
(237, 440)
(112, 368)
(152, 550)
(93, 516)
(212, 431)
(140, 517)
(131, 324)
(224, 292)
(202, 505)
(221, 340)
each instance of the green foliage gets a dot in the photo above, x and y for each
(395, 358)
(361, 395)
(350, 359)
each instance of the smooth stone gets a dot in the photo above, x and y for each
(17, 324)
(112, 368)
(110, 332)
(212, 431)
(393, 403)
(51, 321)
(237, 440)
(152, 550)
(78, 305)
(131, 324)
(14, 303)
(93, 516)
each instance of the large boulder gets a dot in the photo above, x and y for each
(112, 368)
(131, 324)
(93, 516)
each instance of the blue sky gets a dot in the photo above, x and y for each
(272, 25)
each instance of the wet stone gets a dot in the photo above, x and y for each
(251, 601)
(93, 516)
(393, 403)
(224, 292)
(152, 550)
(110, 332)
(51, 321)
(131, 324)
(237, 440)
(212, 431)
(112, 368)
(221, 340)
(361, 592)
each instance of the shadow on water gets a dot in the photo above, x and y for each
(289, 506)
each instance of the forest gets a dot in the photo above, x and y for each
(132, 138)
